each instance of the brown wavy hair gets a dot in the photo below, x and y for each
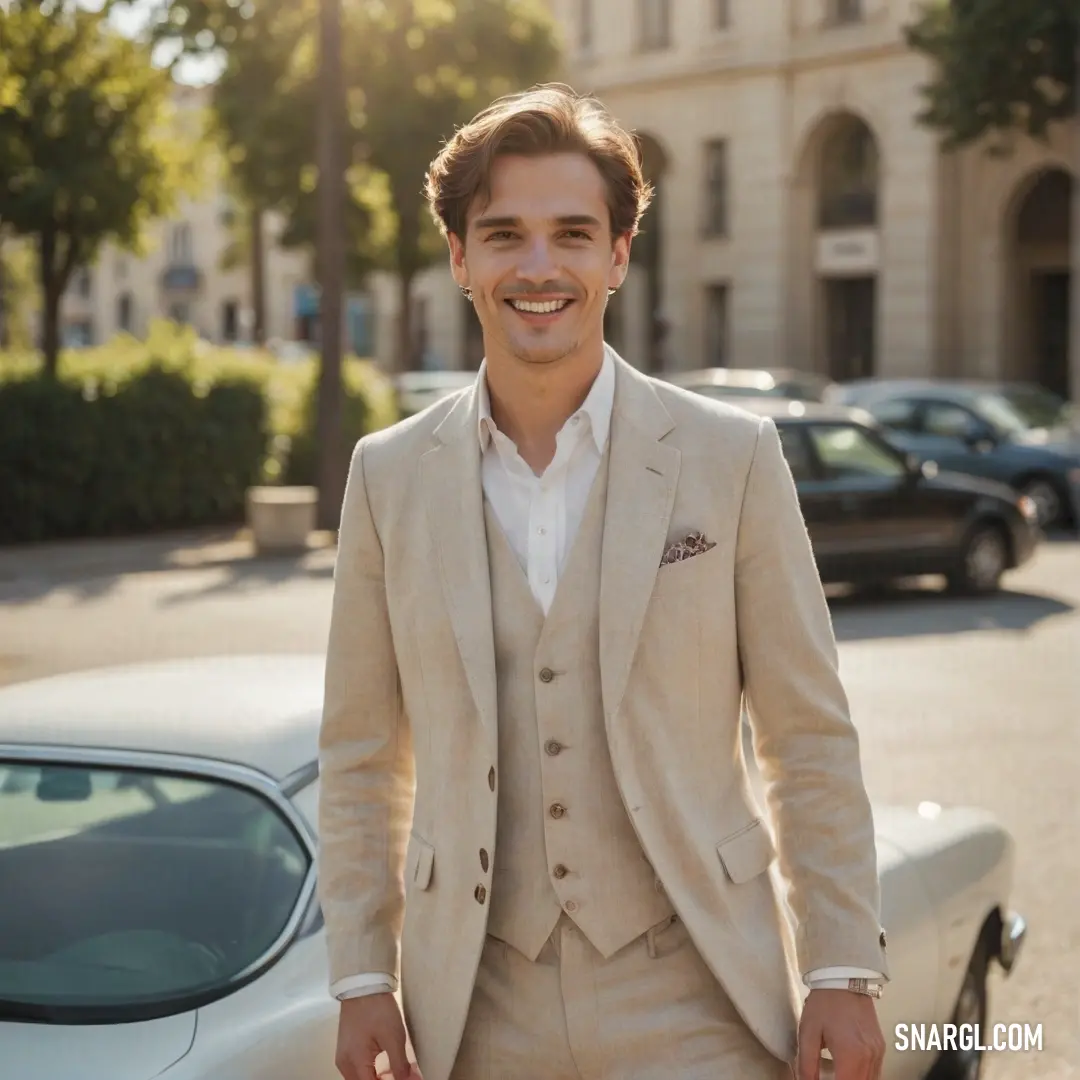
(548, 119)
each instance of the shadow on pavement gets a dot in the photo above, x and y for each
(912, 612)
(254, 573)
(87, 570)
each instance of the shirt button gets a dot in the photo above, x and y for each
(542, 531)
(480, 893)
(560, 871)
(557, 810)
(546, 674)
(552, 747)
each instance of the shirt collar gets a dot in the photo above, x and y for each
(597, 406)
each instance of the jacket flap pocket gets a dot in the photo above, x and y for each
(422, 862)
(746, 853)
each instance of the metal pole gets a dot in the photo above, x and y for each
(332, 452)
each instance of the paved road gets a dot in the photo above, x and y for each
(958, 702)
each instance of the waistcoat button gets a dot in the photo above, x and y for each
(480, 893)
(560, 871)
(557, 810)
(553, 747)
(546, 674)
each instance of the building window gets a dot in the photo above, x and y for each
(180, 253)
(124, 317)
(655, 22)
(716, 188)
(80, 284)
(845, 11)
(230, 321)
(585, 26)
(722, 14)
(716, 325)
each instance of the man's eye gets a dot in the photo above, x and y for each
(502, 235)
(578, 234)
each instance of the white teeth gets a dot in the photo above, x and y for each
(544, 308)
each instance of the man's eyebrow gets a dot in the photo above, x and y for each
(513, 222)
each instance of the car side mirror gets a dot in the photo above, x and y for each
(981, 441)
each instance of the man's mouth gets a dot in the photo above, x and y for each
(539, 307)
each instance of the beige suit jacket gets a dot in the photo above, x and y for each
(408, 742)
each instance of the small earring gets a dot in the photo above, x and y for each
(467, 293)
(612, 292)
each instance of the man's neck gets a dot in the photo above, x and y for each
(530, 404)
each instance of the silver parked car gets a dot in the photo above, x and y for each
(157, 855)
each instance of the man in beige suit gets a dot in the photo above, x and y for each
(554, 592)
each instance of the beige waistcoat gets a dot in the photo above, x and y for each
(564, 840)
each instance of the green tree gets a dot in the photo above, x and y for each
(415, 70)
(85, 154)
(1000, 66)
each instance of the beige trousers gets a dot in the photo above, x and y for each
(653, 1011)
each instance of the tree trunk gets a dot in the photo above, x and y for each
(406, 350)
(333, 458)
(51, 290)
(258, 277)
(5, 302)
(1074, 269)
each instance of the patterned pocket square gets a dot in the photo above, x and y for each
(692, 544)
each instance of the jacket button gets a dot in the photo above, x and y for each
(557, 810)
(546, 674)
(491, 778)
(560, 871)
(480, 893)
(483, 860)
(552, 747)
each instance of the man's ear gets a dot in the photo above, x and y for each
(620, 260)
(458, 268)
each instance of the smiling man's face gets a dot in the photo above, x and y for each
(539, 258)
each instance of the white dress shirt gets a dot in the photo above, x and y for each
(540, 516)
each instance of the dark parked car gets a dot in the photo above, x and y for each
(416, 390)
(875, 514)
(754, 382)
(1016, 433)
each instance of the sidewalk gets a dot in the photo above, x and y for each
(183, 550)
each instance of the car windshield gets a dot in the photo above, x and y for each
(129, 893)
(1022, 408)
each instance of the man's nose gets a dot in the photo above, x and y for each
(537, 264)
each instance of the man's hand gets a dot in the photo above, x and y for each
(846, 1024)
(370, 1025)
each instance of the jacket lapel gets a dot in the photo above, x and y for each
(643, 476)
(453, 493)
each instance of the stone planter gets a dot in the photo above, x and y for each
(281, 519)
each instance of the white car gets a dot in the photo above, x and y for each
(157, 883)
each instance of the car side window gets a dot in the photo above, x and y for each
(949, 421)
(898, 414)
(796, 451)
(846, 452)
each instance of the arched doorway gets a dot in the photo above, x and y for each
(1038, 335)
(846, 218)
(634, 322)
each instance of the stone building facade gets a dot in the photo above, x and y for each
(803, 218)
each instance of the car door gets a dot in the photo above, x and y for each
(886, 517)
(822, 510)
(951, 435)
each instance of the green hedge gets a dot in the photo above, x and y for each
(135, 437)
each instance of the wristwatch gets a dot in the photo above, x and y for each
(865, 986)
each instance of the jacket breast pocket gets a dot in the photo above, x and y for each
(419, 863)
(747, 853)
